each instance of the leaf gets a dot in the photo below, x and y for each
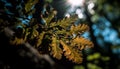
(49, 18)
(56, 51)
(17, 41)
(34, 33)
(71, 53)
(30, 4)
(66, 22)
(81, 43)
(61, 32)
(81, 28)
(40, 37)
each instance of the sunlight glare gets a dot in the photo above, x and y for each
(90, 8)
(91, 5)
(67, 15)
(79, 13)
(76, 2)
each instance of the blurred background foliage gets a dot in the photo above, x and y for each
(102, 16)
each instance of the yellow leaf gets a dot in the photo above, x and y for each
(82, 43)
(71, 53)
(17, 41)
(40, 37)
(81, 28)
(56, 51)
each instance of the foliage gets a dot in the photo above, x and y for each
(56, 38)
(60, 40)
(94, 61)
(29, 5)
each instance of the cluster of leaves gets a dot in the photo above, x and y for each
(61, 37)
(56, 38)
(65, 38)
